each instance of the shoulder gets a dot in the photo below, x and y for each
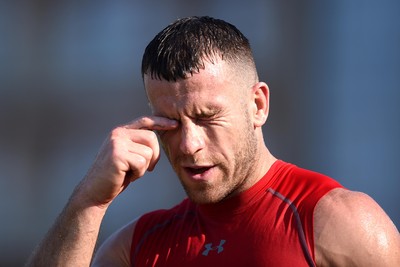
(292, 176)
(350, 228)
(303, 187)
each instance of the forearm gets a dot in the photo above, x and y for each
(72, 239)
(127, 153)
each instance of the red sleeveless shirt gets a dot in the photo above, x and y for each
(270, 224)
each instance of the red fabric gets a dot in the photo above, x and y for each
(255, 228)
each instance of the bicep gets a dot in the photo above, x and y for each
(350, 228)
(115, 251)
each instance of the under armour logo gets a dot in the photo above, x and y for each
(208, 247)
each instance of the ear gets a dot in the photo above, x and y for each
(260, 105)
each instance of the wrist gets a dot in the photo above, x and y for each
(92, 194)
(82, 202)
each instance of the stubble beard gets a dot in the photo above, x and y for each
(234, 179)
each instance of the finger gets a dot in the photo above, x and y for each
(147, 160)
(132, 158)
(138, 165)
(153, 123)
(147, 143)
(122, 142)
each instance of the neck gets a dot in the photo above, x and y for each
(261, 166)
(262, 163)
(239, 201)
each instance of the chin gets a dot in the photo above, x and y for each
(204, 196)
(202, 200)
(205, 193)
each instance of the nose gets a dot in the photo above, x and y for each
(192, 138)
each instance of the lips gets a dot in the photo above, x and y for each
(198, 172)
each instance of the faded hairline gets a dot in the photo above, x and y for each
(183, 48)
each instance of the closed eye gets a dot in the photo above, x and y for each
(208, 115)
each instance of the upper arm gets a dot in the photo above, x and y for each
(351, 229)
(115, 251)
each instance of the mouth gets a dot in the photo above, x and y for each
(198, 172)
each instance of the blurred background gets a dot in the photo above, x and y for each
(70, 72)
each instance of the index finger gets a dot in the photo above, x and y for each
(153, 123)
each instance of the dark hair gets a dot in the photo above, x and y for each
(182, 47)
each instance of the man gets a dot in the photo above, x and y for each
(244, 207)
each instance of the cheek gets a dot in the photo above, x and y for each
(169, 145)
(222, 143)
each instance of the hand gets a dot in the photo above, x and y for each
(127, 153)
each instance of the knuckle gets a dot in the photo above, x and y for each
(141, 166)
(114, 143)
(143, 120)
(117, 132)
(147, 153)
(140, 163)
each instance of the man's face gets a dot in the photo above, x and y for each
(212, 149)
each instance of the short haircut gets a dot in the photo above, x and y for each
(181, 49)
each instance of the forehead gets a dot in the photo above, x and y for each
(209, 85)
(212, 73)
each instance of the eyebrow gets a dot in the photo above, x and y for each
(205, 112)
(208, 112)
